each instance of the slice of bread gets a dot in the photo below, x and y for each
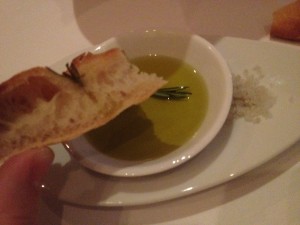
(286, 22)
(39, 107)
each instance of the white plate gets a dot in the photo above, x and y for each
(238, 148)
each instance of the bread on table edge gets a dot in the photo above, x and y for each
(286, 22)
(39, 107)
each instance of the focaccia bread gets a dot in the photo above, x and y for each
(39, 107)
(286, 22)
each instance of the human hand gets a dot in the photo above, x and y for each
(20, 177)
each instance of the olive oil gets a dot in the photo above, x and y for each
(156, 127)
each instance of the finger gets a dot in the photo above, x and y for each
(19, 194)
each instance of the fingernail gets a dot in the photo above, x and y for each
(44, 155)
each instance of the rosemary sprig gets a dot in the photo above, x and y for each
(172, 93)
(73, 73)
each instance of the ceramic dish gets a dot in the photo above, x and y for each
(205, 59)
(237, 149)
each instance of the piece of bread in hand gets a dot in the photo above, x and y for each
(286, 22)
(39, 107)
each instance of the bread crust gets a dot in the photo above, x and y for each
(286, 22)
(40, 107)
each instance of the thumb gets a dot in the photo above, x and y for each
(19, 195)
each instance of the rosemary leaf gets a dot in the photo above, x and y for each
(73, 73)
(172, 93)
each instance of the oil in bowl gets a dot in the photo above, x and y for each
(157, 126)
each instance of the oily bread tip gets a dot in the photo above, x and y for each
(40, 107)
(286, 22)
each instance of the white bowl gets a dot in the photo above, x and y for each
(195, 51)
